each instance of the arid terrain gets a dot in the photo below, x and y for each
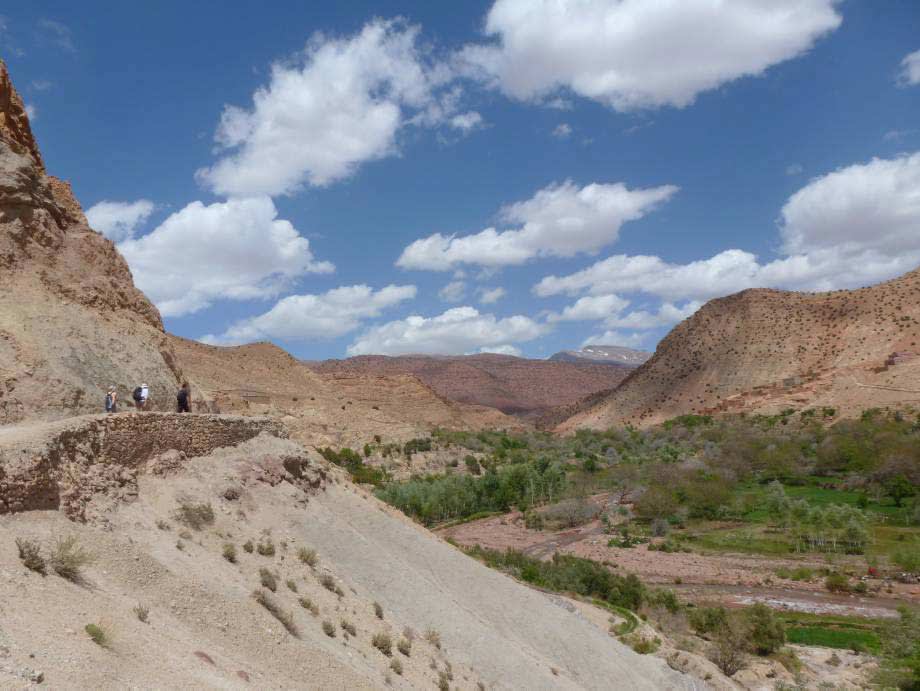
(768, 350)
(513, 385)
(384, 522)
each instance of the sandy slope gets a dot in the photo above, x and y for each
(493, 630)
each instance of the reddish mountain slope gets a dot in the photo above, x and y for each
(513, 385)
(766, 350)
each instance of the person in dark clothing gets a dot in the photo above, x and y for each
(184, 399)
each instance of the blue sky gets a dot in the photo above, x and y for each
(633, 160)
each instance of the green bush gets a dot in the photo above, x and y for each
(837, 583)
(97, 634)
(765, 632)
(707, 620)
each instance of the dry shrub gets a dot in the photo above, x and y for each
(286, 618)
(142, 612)
(307, 556)
(396, 666)
(309, 605)
(404, 646)
(348, 627)
(378, 610)
(68, 558)
(195, 515)
(30, 555)
(229, 552)
(383, 643)
(329, 628)
(268, 579)
(434, 638)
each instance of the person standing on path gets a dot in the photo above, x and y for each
(184, 399)
(111, 400)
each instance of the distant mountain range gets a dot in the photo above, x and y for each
(604, 354)
(513, 385)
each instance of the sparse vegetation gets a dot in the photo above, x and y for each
(268, 579)
(291, 584)
(97, 634)
(383, 643)
(329, 628)
(378, 610)
(229, 552)
(30, 555)
(142, 612)
(286, 618)
(348, 627)
(248, 546)
(396, 666)
(309, 605)
(67, 558)
(195, 515)
(307, 556)
(433, 637)
(266, 548)
(404, 645)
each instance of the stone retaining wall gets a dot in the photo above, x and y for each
(55, 471)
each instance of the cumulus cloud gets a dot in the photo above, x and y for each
(466, 122)
(562, 130)
(316, 317)
(453, 291)
(592, 307)
(339, 104)
(560, 221)
(854, 226)
(617, 338)
(233, 250)
(488, 296)
(458, 330)
(118, 221)
(502, 350)
(910, 69)
(632, 54)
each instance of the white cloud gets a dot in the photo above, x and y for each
(591, 308)
(631, 54)
(562, 130)
(458, 330)
(668, 314)
(466, 122)
(118, 221)
(559, 220)
(59, 34)
(794, 169)
(617, 338)
(41, 84)
(233, 250)
(31, 112)
(854, 226)
(910, 69)
(339, 105)
(504, 349)
(453, 291)
(488, 296)
(316, 317)
(867, 206)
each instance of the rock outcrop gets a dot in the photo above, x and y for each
(72, 323)
(769, 350)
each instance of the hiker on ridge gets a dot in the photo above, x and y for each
(140, 396)
(184, 399)
(111, 400)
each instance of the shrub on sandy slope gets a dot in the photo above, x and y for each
(68, 558)
(269, 603)
(30, 555)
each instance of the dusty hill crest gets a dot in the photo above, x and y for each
(765, 350)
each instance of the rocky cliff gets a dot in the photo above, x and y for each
(72, 322)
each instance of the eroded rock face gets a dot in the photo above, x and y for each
(72, 323)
